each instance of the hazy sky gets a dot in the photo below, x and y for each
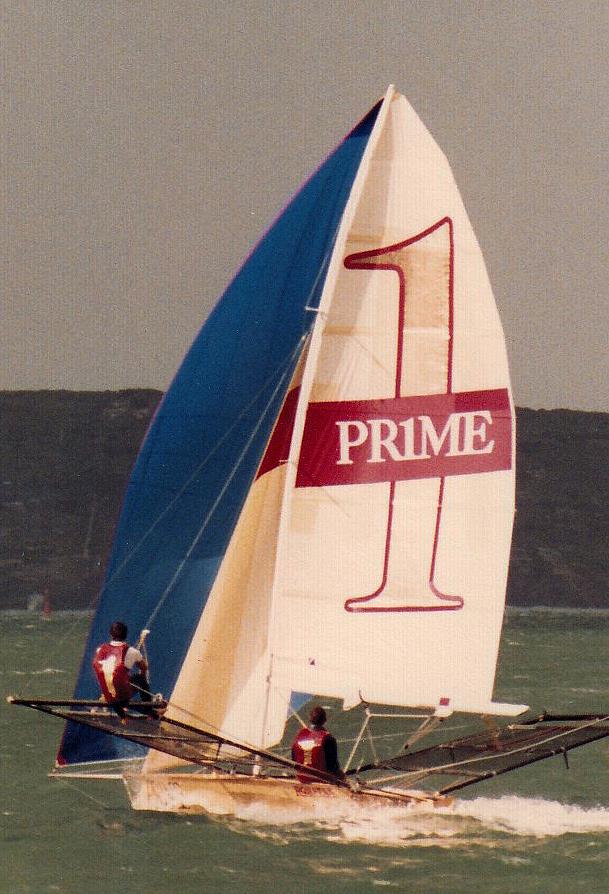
(147, 145)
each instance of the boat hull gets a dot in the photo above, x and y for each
(223, 794)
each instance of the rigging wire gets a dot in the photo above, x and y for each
(286, 363)
(81, 792)
(181, 565)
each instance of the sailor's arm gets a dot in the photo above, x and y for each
(331, 756)
(135, 659)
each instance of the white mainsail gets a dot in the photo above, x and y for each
(373, 563)
(446, 544)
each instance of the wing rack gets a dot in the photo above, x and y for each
(180, 740)
(499, 750)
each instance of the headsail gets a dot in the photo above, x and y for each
(224, 680)
(206, 441)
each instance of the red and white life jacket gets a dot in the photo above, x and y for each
(308, 750)
(111, 672)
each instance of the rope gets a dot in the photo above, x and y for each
(83, 793)
(287, 362)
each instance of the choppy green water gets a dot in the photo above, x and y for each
(538, 831)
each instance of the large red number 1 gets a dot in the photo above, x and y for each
(424, 266)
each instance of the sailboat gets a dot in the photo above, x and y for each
(323, 506)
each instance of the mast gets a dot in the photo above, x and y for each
(269, 730)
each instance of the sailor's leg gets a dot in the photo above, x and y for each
(141, 685)
(120, 708)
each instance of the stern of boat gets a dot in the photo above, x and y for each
(224, 794)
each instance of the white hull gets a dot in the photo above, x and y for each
(221, 794)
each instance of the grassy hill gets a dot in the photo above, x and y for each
(65, 458)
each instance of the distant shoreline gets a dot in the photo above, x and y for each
(36, 616)
(66, 459)
(509, 610)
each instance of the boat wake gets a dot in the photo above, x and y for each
(536, 817)
(479, 821)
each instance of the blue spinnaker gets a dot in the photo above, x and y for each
(206, 441)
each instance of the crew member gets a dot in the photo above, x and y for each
(315, 747)
(112, 664)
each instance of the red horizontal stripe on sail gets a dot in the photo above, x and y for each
(397, 439)
(278, 448)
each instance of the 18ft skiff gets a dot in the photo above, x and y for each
(323, 505)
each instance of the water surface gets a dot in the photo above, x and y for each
(540, 830)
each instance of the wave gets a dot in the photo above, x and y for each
(511, 611)
(535, 817)
(33, 673)
(480, 821)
